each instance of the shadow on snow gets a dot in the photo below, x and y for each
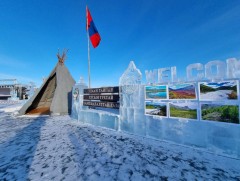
(17, 152)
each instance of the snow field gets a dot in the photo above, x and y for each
(59, 148)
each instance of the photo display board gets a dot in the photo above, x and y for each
(203, 100)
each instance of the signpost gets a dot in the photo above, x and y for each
(107, 97)
(112, 98)
(113, 105)
(101, 90)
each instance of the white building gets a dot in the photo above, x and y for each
(10, 89)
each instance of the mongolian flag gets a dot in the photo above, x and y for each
(92, 30)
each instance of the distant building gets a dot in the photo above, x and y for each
(10, 89)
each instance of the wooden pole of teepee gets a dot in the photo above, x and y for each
(89, 78)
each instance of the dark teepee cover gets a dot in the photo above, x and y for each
(54, 96)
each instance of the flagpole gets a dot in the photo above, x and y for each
(89, 79)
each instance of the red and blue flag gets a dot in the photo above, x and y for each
(92, 30)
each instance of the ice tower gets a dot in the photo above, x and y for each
(77, 97)
(131, 101)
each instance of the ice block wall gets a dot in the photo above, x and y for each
(91, 116)
(217, 137)
(220, 138)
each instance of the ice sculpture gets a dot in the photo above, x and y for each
(13, 94)
(163, 75)
(199, 68)
(233, 68)
(77, 97)
(174, 74)
(130, 79)
(91, 115)
(30, 89)
(131, 101)
(151, 76)
(221, 138)
(220, 70)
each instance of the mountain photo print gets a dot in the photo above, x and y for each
(225, 90)
(186, 110)
(155, 108)
(182, 91)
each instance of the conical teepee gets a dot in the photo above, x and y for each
(54, 96)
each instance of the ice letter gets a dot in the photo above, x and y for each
(219, 72)
(151, 76)
(233, 68)
(198, 67)
(174, 73)
(162, 76)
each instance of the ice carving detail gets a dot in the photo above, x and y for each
(130, 79)
(199, 68)
(220, 69)
(233, 68)
(151, 76)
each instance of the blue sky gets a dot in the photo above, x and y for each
(220, 84)
(153, 33)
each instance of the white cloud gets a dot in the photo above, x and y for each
(191, 105)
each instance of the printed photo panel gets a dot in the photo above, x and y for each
(155, 108)
(156, 92)
(220, 113)
(185, 91)
(186, 110)
(215, 91)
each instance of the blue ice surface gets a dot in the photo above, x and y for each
(107, 110)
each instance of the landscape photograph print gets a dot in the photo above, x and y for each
(221, 113)
(155, 108)
(225, 90)
(156, 92)
(182, 91)
(186, 110)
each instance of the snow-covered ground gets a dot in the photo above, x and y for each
(216, 95)
(59, 148)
